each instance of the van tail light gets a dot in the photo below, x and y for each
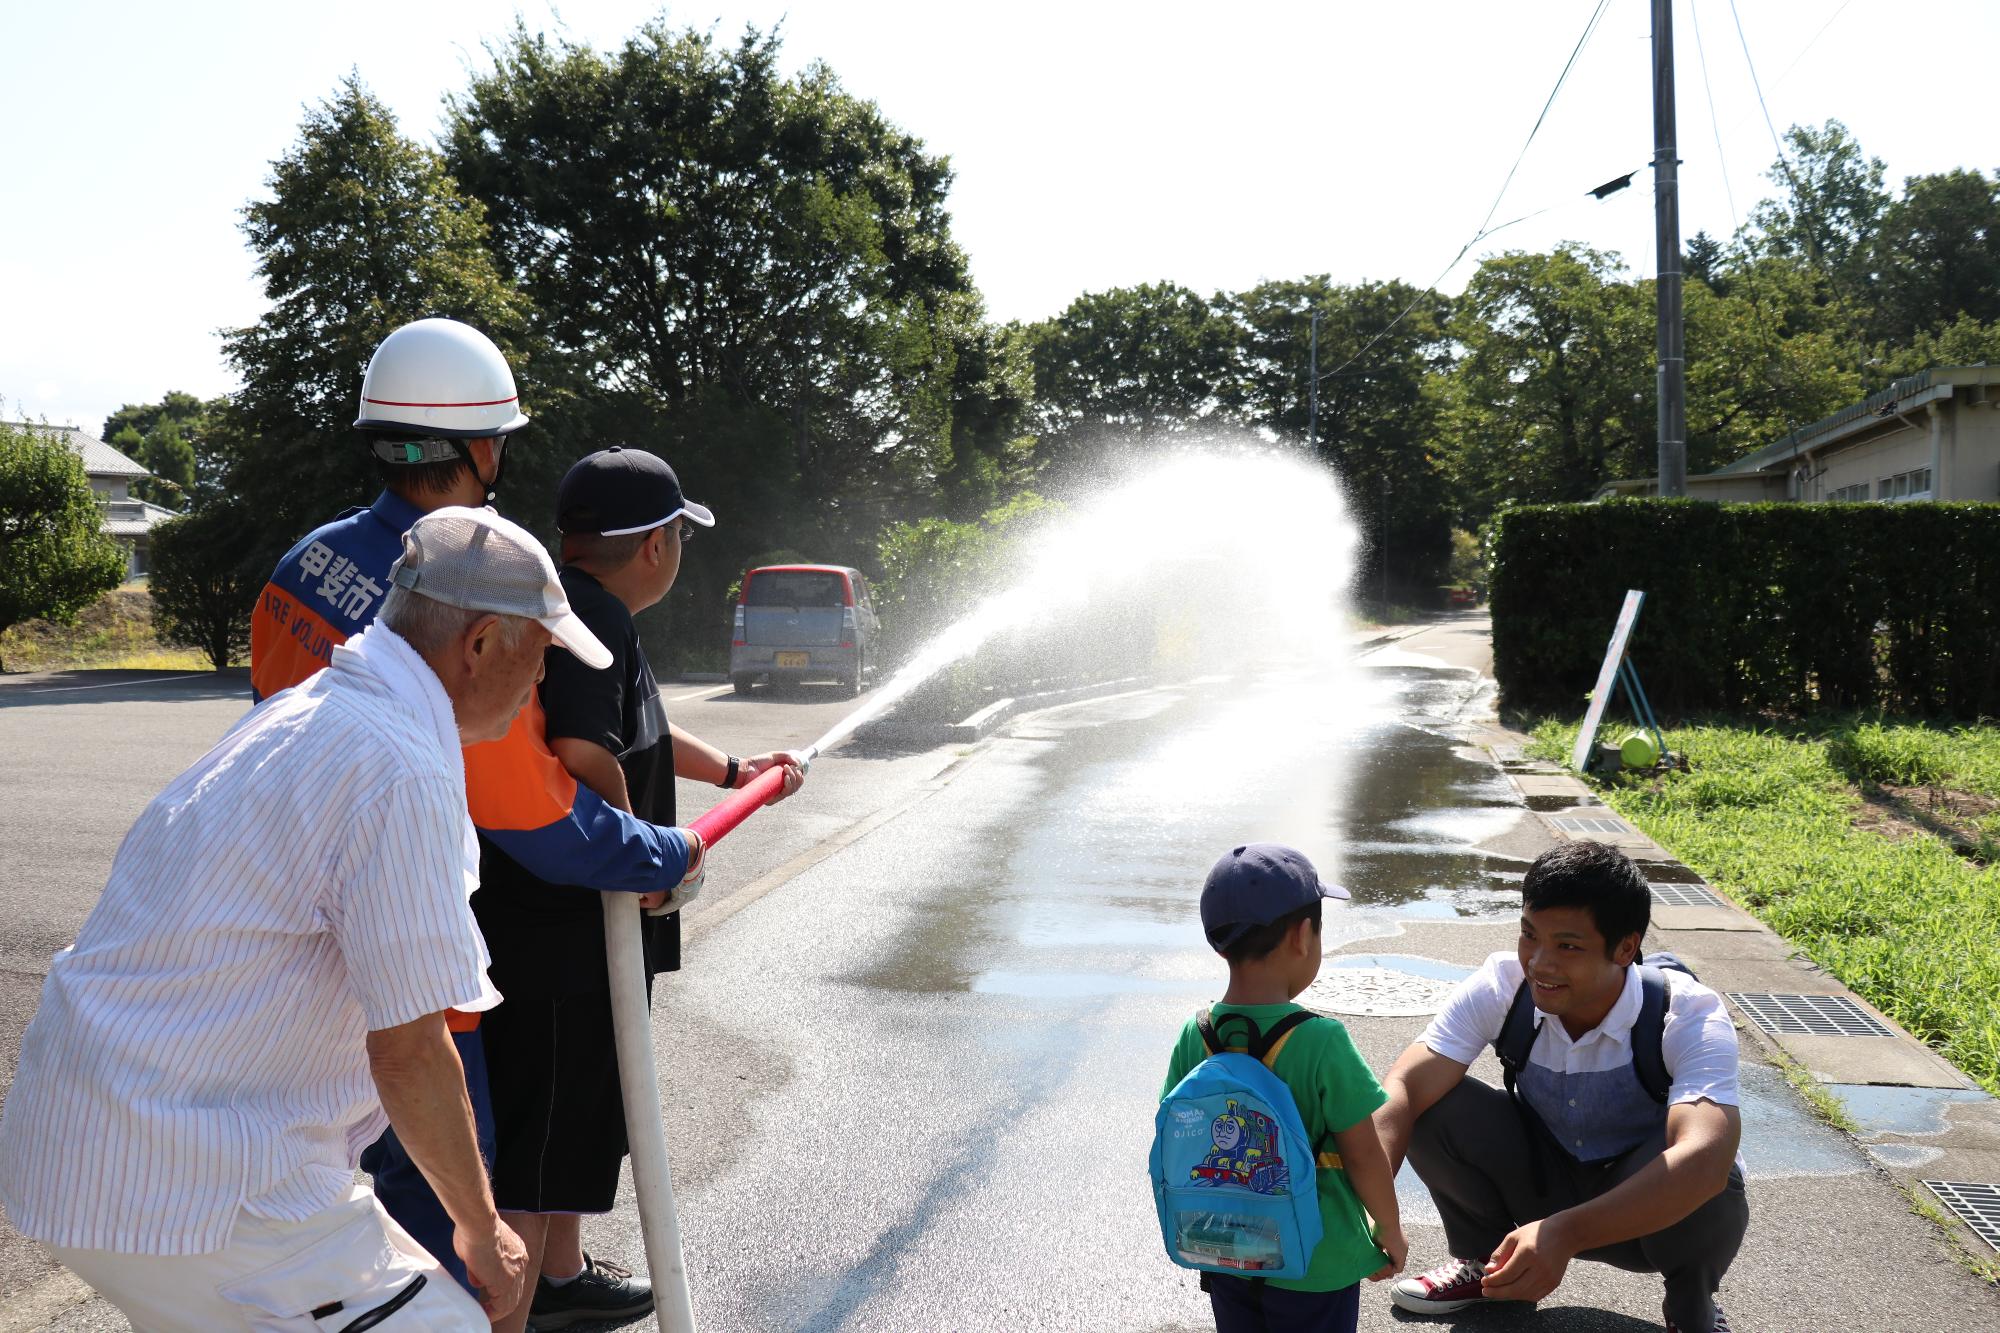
(736, 640)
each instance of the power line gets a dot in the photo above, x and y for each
(1809, 45)
(1561, 78)
(1735, 221)
(1784, 160)
(1485, 229)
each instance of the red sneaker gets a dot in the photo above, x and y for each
(1450, 1286)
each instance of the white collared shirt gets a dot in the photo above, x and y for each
(201, 1047)
(1583, 1089)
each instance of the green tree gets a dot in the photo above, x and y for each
(705, 236)
(1749, 378)
(1130, 368)
(1553, 394)
(1379, 344)
(54, 557)
(168, 455)
(1829, 203)
(197, 471)
(1937, 255)
(1703, 262)
(207, 570)
(364, 231)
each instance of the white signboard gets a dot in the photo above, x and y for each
(1586, 739)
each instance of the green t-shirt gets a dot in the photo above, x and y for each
(1335, 1091)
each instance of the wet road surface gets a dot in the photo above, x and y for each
(910, 1069)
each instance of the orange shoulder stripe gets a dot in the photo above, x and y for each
(289, 642)
(517, 782)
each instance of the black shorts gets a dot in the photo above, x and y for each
(558, 1120)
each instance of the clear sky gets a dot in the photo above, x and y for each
(1095, 144)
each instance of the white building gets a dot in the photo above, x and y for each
(1934, 435)
(130, 521)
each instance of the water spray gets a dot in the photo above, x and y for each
(1274, 514)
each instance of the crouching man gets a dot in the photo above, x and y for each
(1619, 1143)
(262, 985)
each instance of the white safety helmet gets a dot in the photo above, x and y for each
(439, 379)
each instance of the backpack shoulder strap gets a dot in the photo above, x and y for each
(1265, 1046)
(1517, 1034)
(1649, 1059)
(1204, 1022)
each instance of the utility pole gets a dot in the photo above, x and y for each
(1672, 374)
(1312, 413)
(1384, 552)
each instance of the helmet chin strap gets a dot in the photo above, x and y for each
(499, 465)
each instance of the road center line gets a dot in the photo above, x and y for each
(111, 685)
(708, 693)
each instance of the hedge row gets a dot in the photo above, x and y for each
(1787, 608)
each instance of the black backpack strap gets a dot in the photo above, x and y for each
(1204, 1023)
(1261, 1043)
(1516, 1040)
(1649, 1059)
(1517, 1034)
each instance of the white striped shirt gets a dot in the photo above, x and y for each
(201, 1047)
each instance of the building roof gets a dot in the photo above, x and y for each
(1906, 393)
(134, 518)
(99, 458)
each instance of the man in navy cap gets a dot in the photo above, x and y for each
(553, 1068)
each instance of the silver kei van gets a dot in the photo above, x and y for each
(803, 622)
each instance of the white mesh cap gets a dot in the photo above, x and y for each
(478, 561)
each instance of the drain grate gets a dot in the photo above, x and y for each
(1684, 895)
(1588, 824)
(1978, 1206)
(1809, 1015)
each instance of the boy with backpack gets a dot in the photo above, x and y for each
(1264, 1155)
(1616, 1138)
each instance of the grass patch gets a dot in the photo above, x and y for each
(1981, 1266)
(1779, 819)
(115, 632)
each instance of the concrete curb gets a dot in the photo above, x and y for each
(1915, 1115)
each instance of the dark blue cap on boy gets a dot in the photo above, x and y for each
(1255, 884)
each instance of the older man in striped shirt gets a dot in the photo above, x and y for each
(264, 981)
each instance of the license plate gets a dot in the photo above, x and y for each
(792, 661)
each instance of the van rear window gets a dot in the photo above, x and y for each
(785, 587)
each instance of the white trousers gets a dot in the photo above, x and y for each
(352, 1264)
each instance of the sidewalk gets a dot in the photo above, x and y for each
(1833, 1243)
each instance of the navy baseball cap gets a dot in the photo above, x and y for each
(617, 491)
(1255, 884)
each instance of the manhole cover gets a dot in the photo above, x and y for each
(1383, 986)
(1809, 1015)
(1684, 895)
(1978, 1206)
(1588, 824)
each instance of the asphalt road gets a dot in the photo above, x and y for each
(910, 1067)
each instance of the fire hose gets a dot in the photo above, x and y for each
(639, 1083)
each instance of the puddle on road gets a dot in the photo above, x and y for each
(1913, 1111)
(1093, 887)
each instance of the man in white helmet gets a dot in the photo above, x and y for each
(438, 403)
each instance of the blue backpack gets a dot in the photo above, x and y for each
(1233, 1170)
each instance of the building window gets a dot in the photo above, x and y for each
(1848, 494)
(1912, 485)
